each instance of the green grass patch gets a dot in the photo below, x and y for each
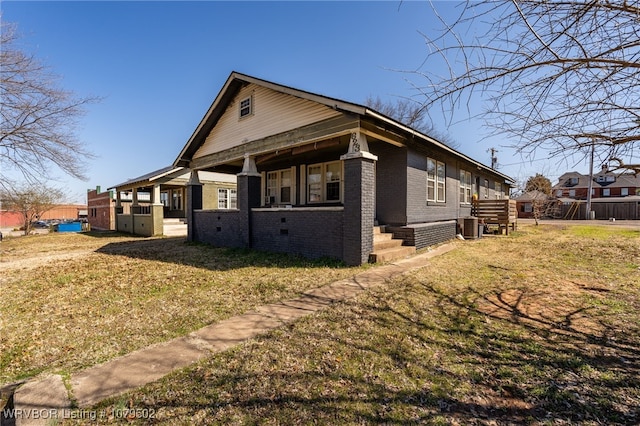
(496, 332)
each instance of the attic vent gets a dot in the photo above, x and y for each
(246, 107)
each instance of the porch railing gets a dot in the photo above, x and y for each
(140, 209)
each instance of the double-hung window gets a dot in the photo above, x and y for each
(324, 182)
(436, 181)
(227, 198)
(246, 107)
(465, 187)
(279, 187)
(498, 191)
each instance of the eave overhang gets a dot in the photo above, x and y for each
(370, 122)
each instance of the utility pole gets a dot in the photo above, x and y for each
(590, 187)
(494, 159)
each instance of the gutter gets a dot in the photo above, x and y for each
(440, 145)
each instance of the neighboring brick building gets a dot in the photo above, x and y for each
(315, 174)
(101, 209)
(58, 213)
(612, 195)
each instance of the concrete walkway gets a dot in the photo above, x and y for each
(45, 398)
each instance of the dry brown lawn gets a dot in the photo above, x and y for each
(70, 301)
(541, 328)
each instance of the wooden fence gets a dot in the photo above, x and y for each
(503, 213)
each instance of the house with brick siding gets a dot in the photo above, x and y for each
(613, 195)
(101, 209)
(318, 176)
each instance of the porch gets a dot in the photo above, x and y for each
(155, 203)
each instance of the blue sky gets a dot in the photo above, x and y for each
(159, 65)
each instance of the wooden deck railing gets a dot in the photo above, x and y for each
(503, 213)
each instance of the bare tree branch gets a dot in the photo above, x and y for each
(30, 200)
(554, 75)
(410, 113)
(38, 119)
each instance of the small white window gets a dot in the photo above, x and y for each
(559, 193)
(431, 179)
(465, 187)
(498, 191)
(606, 192)
(324, 182)
(572, 193)
(441, 182)
(436, 181)
(227, 198)
(314, 183)
(279, 187)
(486, 188)
(246, 107)
(624, 192)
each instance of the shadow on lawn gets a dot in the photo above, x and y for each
(570, 365)
(200, 255)
(420, 356)
(454, 364)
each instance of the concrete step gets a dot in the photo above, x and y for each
(390, 254)
(174, 220)
(378, 230)
(386, 244)
(378, 238)
(174, 228)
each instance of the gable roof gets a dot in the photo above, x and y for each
(623, 180)
(534, 195)
(156, 174)
(237, 80)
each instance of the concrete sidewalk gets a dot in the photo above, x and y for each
(44, 398)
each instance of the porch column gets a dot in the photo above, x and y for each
(155, 196)
(248, 193)
(157, 211)
(118, 210)
(359, 200)
(193, 202)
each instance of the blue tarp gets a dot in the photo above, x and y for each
(69, 227)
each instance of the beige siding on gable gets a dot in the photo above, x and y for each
(273, 113)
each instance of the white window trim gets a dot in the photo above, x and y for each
(466, 187)
(441, 180)
(227, 201)
(323, 182)
(435, 179)
(240, 107)
(278, 187)
(498, 190)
